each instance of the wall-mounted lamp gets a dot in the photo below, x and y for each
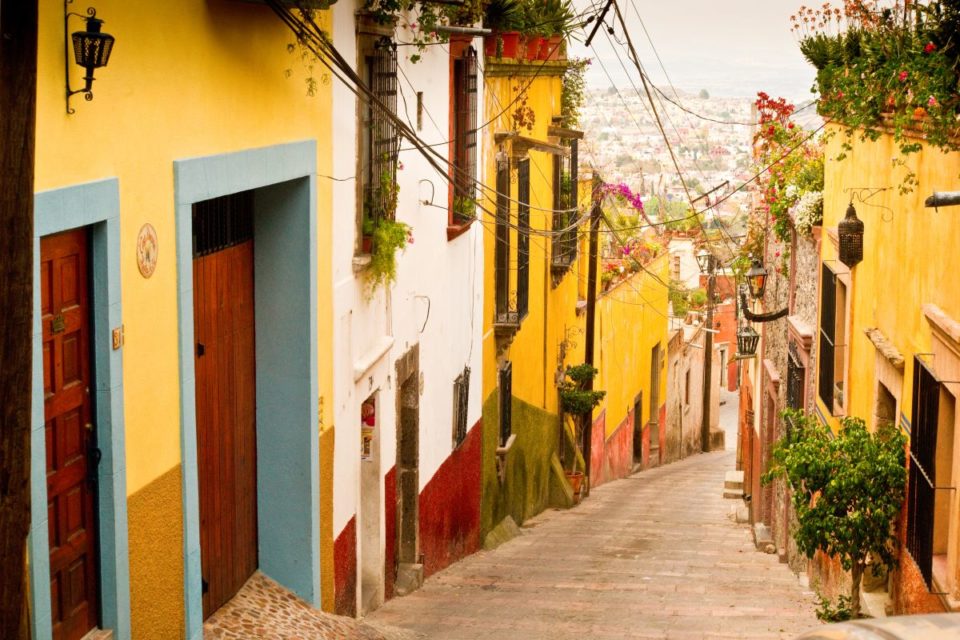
(757, 279)
(850, 235)
(91, 49)
(705, 261)
(747, 340)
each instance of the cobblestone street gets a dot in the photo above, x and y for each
(657, 555)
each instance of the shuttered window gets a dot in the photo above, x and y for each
(380, 142)
(828, 320)
(923, 450)
(461, 404)
(464, 135)
(506, 401)
(523, 237)
(565, 199)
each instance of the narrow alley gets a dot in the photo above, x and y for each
(656, 555)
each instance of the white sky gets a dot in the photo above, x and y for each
(733, 48)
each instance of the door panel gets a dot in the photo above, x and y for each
(69, 437)
(226, 420)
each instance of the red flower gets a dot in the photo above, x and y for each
(771, 130)
(790, 125)
(902, 76)
(929, 48)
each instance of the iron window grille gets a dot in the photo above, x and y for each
(461, 404)
(465, 86)
(506, 401)
(221, 223)
(828, 320)
(565, 199)
(921, 492)
(381, 142)
(795, 378)
(506, 310)
(523, 238)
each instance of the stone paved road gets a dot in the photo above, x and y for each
(654, 556)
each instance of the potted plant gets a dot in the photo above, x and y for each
(532, 28)
(578, 400)
(464, 209)
(388, 236)
(503, 18)
(558, 17)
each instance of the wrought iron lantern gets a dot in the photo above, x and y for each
(757, 279)
(91, 50)
(850, 234)
(705, 260)
(747, 340)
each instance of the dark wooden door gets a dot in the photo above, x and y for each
(226, 420)
(70, 440)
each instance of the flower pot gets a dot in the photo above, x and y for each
(510, 43)
(366, 245)
(544, 53)
(533, 47)
(575, 478)
(554, 44)
(815, 232)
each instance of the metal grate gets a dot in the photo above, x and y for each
(795, 378)
(828, 321)
(504, 313)
(506, 400)
(523, 237)
(923, 451)
(222, 222)
(383, 142)
(565, 199)
(464, 131)
(461, 403)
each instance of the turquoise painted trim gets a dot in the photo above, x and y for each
(287, 383)
(97, 205)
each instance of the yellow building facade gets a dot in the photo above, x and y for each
(893, 324)
(196, 121)
(535, 290)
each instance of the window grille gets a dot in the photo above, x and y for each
(506, 400)
(461, 403)
(523, 237)
(382, 140)
(828, 319)
(506, 313)
(222, 222)
(464, 133)
(795, 379)
(565, 199)
(923, 451)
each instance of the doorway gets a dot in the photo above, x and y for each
(371, 555)
(70, 433)
(224, 332)
(409, 569)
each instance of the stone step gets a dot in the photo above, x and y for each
(733, 480)
(733, 494)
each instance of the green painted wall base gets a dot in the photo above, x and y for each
(534, 478)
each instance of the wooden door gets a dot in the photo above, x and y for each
(225, 403)
(70, 438)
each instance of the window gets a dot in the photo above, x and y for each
(686, 389)
(523, 237)
(506, 313)
(921, 496)
(565, 200)
(379, 142)
(796, 376)
(833, 341)
(506, 401)
(461, 404)
(464, 132)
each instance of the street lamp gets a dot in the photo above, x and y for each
(757, 279)
(707, 264)
(91, 50)
(705, 261)
(850, 234)
(747, 339)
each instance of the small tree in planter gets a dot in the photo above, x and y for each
(846, 490)
(578, 400)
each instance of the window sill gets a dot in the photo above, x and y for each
(455, 230)
(360, 262)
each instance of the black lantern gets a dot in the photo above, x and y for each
(757, 279)
(747, 339)
(91, 50)
(705, 260)
(850, 234)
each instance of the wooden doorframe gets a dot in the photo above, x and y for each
(95, 205)
(285, 272)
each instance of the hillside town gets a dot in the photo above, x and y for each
(397, 321)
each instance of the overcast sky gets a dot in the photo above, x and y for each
(732, 48)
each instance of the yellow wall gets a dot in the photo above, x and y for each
(631, 319)
(910, 255)
(187, 78)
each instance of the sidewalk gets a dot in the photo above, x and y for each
(654, 556)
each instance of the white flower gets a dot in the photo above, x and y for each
(808, 212)
(791, 191)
